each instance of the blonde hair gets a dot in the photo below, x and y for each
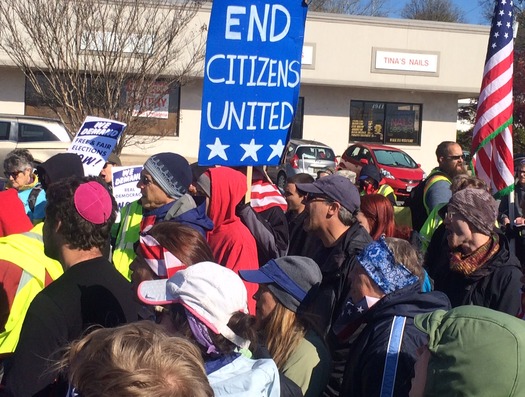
(135, 360)
(283, 331)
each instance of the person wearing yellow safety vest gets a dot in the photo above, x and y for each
(26, 270)
(437, 215)
(450, 163)
(164, 184)
(371, 182)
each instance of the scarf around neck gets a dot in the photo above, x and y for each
(468, 264)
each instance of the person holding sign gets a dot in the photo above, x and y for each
(107, 171)
(164, 184)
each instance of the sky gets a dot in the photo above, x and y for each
(471, 8)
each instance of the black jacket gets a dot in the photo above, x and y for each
(335, 267)
(303, 243)
(269, 228)
(363, 376)
(333, 293)
(495, 285)
(90, 293)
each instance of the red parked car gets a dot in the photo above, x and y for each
(397, 167)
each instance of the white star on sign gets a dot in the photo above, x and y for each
(250, 150)
(277, 150)
(218, 149)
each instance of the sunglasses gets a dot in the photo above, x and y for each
(310, 198)
(455, 158)
(13, 174)
(145, 180)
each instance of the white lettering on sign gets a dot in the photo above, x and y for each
(256, 23)
(271, 115)
(407, 61)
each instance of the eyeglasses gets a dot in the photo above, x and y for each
(145, 180)
(455, 158)
(13, 174)
(310, 198)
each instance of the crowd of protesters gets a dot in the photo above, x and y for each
(200, 289)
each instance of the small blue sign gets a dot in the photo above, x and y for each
(252, 78)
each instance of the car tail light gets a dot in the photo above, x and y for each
(294, 161)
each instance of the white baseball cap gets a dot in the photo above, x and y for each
(209, 291)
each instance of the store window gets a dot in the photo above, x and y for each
(385, 122)
(156, 111)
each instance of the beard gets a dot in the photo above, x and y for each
(50, 243)
(456, 170)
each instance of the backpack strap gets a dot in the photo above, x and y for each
(392, 356)
(33, 195)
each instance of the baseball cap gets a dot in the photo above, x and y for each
(370, 171)
(291, 279)
(337, 188)
(209, 291)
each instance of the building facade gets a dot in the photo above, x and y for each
(380, 80)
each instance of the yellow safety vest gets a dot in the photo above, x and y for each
(128, 235)
(432, 178)
(433, 221)
(386, 190)
(26, 251)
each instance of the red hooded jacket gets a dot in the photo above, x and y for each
(231, 242)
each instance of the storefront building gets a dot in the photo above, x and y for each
(379, 80)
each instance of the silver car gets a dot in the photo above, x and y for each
(42, 136)
(302, 156)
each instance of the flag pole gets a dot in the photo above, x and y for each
(249, 173)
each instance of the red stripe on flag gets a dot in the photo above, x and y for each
(492, 137)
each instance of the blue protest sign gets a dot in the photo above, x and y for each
(252, 77)
(94, 142)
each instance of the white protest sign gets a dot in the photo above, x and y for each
(94, 142)
(125, 188)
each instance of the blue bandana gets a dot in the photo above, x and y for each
(379, 263)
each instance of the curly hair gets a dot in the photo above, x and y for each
(77, 232)
(19, 159)
(462, 181)
(135, 360)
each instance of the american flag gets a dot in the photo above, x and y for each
(351, 318)
(163, 263)
(492, 136)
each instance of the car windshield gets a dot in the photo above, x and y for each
(394, 158)
(315, 153)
